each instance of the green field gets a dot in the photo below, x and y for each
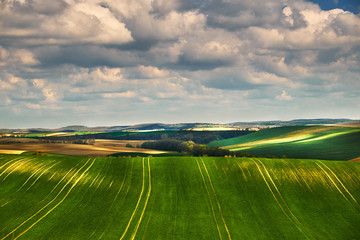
(62, 197)
(319, 142)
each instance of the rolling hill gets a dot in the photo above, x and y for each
(62, 197)
(182, 126)
(319, 142)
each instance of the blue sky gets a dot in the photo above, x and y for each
(348, 5)
(94, 63)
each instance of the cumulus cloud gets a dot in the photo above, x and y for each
(284, 96)
(38, 22)
(128, 94)
(176, 54)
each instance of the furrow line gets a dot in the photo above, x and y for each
(276, 199)
(7, 163)
(79, 205)
(146, 202)
(217, 200)
(147, 224)
(333, 182)
(34, 173)
(45, 197)
(138, 202)
(61, 201)
(111, 206)
(244, 175)
(28, 180)
(32, 216)
(40, 176)
(272, 181)
(122, 185)
(341, 183)
(17, 165)
(212, 206)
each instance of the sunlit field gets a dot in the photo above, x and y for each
(319, 142)
(63, 197)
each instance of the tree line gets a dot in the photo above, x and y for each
(68, 141)
(191, 148)
(199, 137)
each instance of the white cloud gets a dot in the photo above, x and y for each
(107, 74)
(74, 22)
(152, 72)
(284, 96)
(50, 94)
(39, 83)
(5, 85)
(128, 94)
(25, 57)
(43, 107)
(192, 54)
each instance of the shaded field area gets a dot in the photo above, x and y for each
(319, 142)
(64, 197)
(101, 148)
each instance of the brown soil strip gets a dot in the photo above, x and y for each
(355, 160)
(101, 148)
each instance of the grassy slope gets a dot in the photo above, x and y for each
(256, 136)
(182, 198)
(332, 143)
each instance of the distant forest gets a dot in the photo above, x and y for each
(190, 148)
(198, 137)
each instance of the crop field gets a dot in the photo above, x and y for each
(68, 197)
(101, 148)
(57, 134)
(319, 142)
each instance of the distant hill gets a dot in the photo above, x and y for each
(316, 142)
(296, 122)
(187, 126)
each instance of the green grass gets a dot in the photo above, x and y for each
(319, 142)
(256, 136)
(63, 197)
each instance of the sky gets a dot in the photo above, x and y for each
(103, 63)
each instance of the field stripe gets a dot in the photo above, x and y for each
(217, 200)
(40, 176)
(111, 206)
(277, 200)
(53, 189)
(146, 226)
(340, 183)
(336, 186)
(27, 181)
(146, 202)
(19, 164)
(48, 202)
(279, 192)
(8, 162)
(241, 168)
(212, 206)
(39, 169)
(61, 201)
(138, 202)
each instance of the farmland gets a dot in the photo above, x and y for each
(68, 197)
(100, 148)
(319, 142)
